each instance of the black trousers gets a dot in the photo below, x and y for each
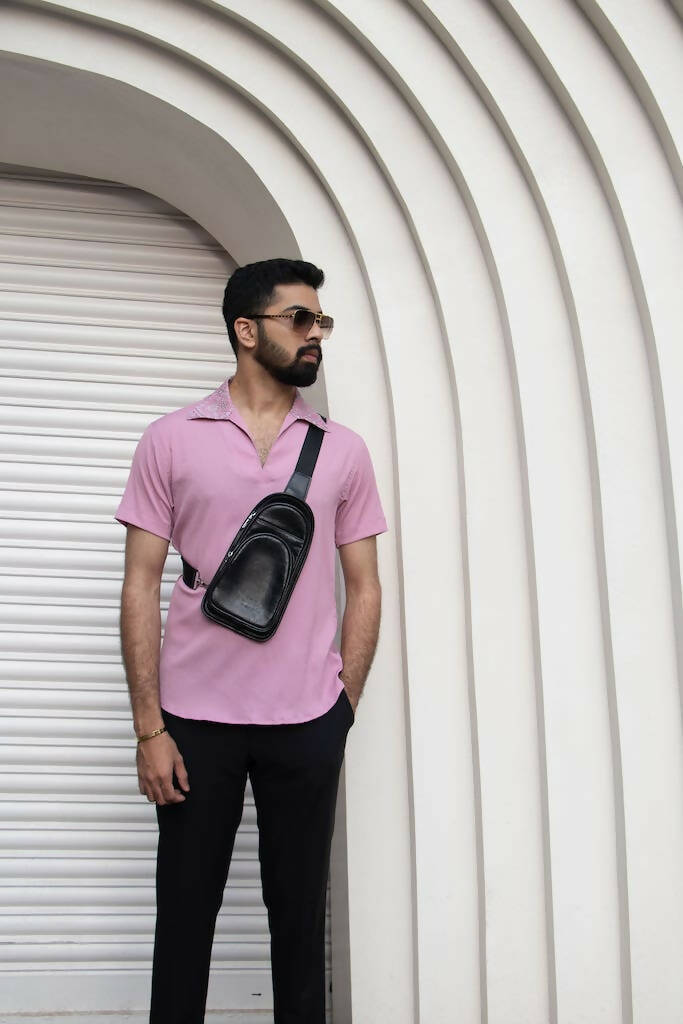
(294, 773)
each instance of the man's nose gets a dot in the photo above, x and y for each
(315, 333)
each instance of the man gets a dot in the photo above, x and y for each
(214, 706)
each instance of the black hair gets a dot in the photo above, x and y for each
(250, 288)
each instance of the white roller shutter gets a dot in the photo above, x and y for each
(110, 317)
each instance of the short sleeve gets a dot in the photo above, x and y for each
(147, 501)
(359, 513)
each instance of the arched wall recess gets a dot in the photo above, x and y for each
(358, 359)
(387, 237)
(512, 318)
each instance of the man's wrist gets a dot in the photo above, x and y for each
(147, 720)
(151, 735)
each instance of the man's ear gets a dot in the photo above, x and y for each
(245, 330)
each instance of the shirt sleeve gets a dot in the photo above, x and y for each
(147, 501)
(359, 513)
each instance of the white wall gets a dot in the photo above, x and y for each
(493, 190)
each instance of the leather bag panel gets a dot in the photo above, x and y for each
(250, 590)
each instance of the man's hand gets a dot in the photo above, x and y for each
(157, 759)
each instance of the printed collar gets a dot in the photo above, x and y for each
(219, 406)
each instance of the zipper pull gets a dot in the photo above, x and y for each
(242, 527)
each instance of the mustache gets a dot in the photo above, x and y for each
(313, 350)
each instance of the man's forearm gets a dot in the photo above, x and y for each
(360, 629)
(140, 646)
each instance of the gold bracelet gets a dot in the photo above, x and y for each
(151, 735)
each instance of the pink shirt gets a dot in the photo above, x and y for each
(195, 476)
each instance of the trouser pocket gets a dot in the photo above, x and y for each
(345, 697)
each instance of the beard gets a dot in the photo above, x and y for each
(276, 361)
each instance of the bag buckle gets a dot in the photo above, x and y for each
(192, 577)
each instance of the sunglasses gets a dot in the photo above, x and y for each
(302, 321)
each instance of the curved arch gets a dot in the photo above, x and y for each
(111, 144)
(605, 24)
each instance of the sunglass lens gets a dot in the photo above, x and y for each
(303, 321)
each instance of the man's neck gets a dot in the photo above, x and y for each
(258, 396)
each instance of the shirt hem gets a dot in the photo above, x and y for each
(233, 721)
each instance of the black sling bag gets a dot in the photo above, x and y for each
(253, 584)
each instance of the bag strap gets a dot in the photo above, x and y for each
(301, 477)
